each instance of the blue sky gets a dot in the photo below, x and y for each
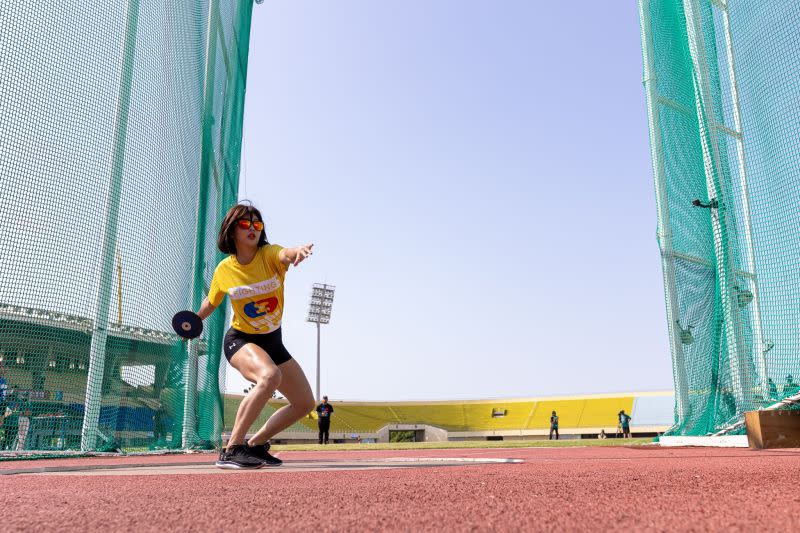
(476, 179)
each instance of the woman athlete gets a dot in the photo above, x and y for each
(252, 276)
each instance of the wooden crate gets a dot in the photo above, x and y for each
(773, 429)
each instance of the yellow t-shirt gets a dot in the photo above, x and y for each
(255, 290)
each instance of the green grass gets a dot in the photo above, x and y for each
(448, 445)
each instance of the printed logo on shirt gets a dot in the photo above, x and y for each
(249, 291)
(261, 307)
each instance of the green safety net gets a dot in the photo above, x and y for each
(722, 80)
(120, 143)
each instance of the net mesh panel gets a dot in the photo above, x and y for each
(723, 85)
(120, 142)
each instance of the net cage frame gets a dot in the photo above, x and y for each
(46, 353)
(700, 40)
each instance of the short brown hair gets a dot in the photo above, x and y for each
(226, 241)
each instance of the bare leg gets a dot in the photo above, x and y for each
(256, 366)
(294, 386)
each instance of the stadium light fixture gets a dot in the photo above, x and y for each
(319, 312)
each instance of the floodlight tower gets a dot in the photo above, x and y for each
(319, 312)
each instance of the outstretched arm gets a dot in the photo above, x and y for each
(295, 256)
(205, 309)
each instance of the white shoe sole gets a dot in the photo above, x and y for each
(235, 466)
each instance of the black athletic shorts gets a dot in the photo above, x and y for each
(272, 343)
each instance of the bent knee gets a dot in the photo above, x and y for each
(306, 404)
(270, 378)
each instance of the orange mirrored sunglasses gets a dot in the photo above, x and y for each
(245, 223)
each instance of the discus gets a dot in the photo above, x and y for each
(187, 324)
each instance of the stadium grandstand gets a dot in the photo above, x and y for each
(43, 384)
(142, 397)
(517, 419)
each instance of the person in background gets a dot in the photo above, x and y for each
(791, 388)
(602, 434)
(553, 425)
(773, 389)
(324, 411)
(625, 424)
(159, 435)
(3, 389)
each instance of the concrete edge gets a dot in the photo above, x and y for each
(728, 441)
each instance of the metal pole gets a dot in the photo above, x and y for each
(119, 288)
(198, 279)
(223, 176)
(664, 228)
(707, 123)
(759, 355)
(97, 349)
(319, 398)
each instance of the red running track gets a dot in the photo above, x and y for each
(573, 489)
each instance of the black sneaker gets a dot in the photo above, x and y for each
(238, 456)
(262, 452)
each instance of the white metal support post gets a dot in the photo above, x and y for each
(738, 135)
(319, 312)
(97, 349)
(189, 430)
(712, 164)
(662, 208)
(319, 398)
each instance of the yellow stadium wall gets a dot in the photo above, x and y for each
(574, 413)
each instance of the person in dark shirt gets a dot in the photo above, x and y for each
(324, 411)
(625, 424)
(159, 434)
(773, 390)
(791, 388)
(553, 425)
